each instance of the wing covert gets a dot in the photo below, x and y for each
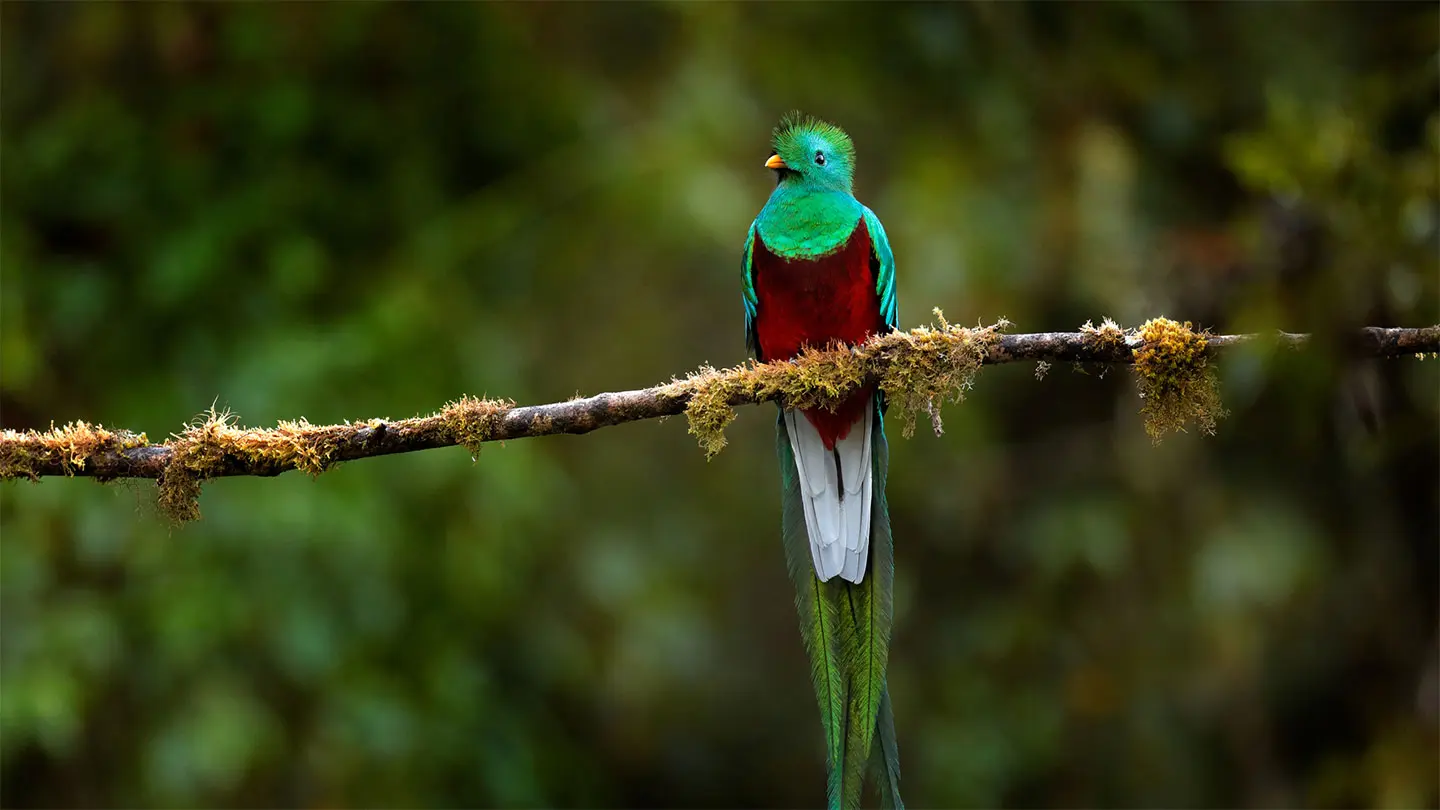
(884, 262)
(747, 291)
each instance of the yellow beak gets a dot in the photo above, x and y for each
(775, 163)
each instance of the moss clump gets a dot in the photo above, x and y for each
(1107, 336)
(713, 394)
(823, 379)
(472, 421)
(709, 412)
(931, 365)
(297, 444)
(195, 455)
(816, 378)
(1176, 383)
(178, 494)
(201, 451)
(25, 454)
(917, 370)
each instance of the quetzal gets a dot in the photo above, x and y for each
(818, 271)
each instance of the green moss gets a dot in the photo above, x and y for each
(1108, 335)
(471, 421)
(200, 452)
(917, 370)
(814, 379)
(822, 379)
(178, 495)
(25, 454)
(301, 445)
(708, 412)
(203, 449)
(195, 455)
(17, 457)
(932, 365)
(1176, 384)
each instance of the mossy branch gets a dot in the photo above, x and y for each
(917, 370)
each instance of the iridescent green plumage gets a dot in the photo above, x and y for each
(797, 131)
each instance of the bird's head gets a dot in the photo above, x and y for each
(812, 152)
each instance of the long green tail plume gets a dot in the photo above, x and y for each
(846, 629)
(885, 757)
(819, 618)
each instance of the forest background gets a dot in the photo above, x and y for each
(341, 211)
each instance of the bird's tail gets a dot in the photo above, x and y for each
(846, 629)
(885, 757)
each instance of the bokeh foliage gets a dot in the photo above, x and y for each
(351, 210)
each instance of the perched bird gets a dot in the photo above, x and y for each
(817, 271)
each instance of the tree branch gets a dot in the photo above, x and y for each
(916, 370)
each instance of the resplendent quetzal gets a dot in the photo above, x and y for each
(818, 270)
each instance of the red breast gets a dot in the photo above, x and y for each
(817, 302)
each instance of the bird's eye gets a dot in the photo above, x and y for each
(819, 158)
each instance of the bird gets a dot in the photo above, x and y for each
(818, 271)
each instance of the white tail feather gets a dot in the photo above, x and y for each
(837, 512)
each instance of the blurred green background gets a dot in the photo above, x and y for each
(343, 211)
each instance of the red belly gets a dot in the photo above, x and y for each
(817, 302)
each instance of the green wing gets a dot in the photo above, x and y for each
(747, 290)
(884, 262)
